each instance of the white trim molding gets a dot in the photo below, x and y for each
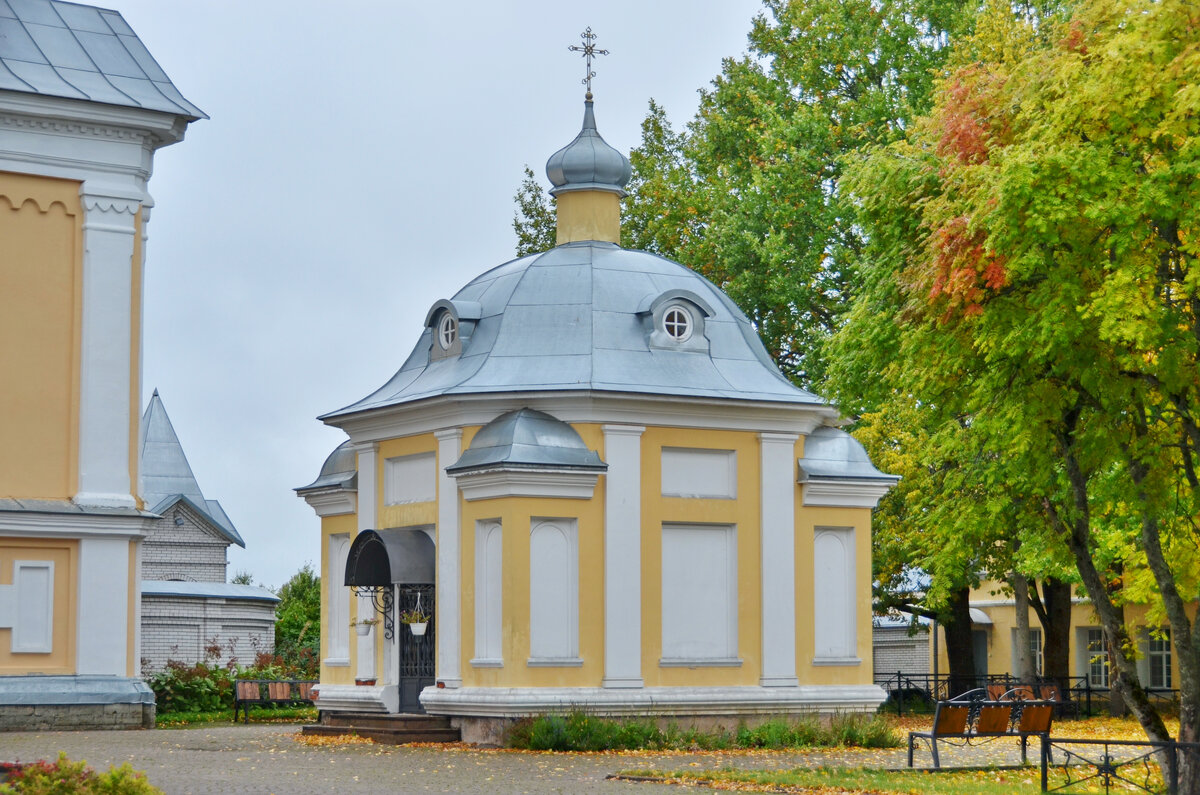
(332, 502)
(357, 698)
(844, 493)
(542, 482)
(734, 702)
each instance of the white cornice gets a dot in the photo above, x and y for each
(93, 118)
(554, 483)
(846, 493)
(584, 407)
(74, 525)
(332, 501)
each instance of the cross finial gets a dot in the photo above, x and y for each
(589, 51)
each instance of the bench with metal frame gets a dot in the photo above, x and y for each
(263, 692)
(972, 716)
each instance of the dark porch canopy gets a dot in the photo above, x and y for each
(394, 556)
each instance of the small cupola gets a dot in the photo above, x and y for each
(588, 175)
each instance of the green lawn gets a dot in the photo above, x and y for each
(174, 720)
(876, 782)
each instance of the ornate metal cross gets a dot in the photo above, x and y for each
(589, 51)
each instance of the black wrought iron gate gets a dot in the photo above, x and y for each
(418, 653)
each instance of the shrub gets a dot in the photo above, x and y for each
(192, 688)
(63, 776)
(579, 731)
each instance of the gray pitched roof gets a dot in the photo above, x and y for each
(576, 318)
(217, 590)
(165, 476)
(75, 51)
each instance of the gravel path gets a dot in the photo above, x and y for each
(266, 758)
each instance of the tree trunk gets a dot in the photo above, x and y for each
(1026, 671)
(960, 645)
(1056, 632)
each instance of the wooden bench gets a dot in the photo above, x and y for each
(270, 692)
(969, 717)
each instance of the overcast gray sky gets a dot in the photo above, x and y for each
(359, 164)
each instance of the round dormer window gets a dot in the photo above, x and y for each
(677, 322)
(447, 331)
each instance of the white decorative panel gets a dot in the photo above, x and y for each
(688, 472)
(338, 649)
(410, 478)
(834, 588)
(489, 572)
(33, 630)
(699, 593)
(553, 590)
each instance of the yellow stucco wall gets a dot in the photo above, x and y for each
(333, 525)
(516, 515)
(65, 556)
(808, 520)
(743, 513)
(41, 262)
(588, 215)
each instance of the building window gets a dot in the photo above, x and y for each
(677, 322)
(489, 593)
(1035, 648)
(447, 331)
(554, 592)
(699, 595)
(1159, 656)
(1097, 658)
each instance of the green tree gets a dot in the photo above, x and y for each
(534, 219)
(242, 577)
(298, 619)
(1037, 244)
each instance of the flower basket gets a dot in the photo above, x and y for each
(418, 627)
(363, 628)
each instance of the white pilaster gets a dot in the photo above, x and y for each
(103, 629)
(449, 531)
(778, 559)
(106, 406)
(368, 506)
(623, 556)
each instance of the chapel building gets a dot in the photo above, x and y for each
(592, 482)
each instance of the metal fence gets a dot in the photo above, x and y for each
(1079, 695)
(1121, 765)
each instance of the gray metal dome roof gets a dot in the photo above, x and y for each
(833, 453)
(527, 438)
(339, 469)
(588, 162)
(580, 318)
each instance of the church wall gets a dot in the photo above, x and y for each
(40, 308)
(809, 521)
(53, 630)
(742, 513)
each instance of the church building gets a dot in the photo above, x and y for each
(83, 108)
(589, 487)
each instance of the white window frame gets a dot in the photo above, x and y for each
(489, 594)
(447, 331)
(678, 323)
(717, 613)
(546, 634)
(1096, 649)
(1158, 658)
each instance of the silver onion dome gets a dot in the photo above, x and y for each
(588, 162)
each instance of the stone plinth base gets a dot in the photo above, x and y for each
(65, 703)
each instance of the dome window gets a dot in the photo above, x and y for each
(677, 322)
(447, 331)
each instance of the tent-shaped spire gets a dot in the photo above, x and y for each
(165, 476)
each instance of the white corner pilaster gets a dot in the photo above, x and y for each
(449, 532)
(778, 559)
(103, 629)
(368, 505)
(623, 556)
(106, 407)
